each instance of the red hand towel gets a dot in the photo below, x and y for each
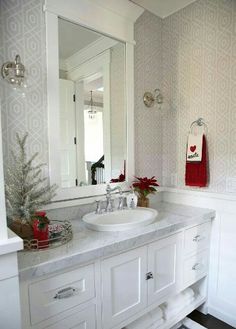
(196, 173)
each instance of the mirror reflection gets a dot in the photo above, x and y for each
(92, 107)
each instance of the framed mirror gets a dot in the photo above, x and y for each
(90, 106)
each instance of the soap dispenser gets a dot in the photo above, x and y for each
(132, 200)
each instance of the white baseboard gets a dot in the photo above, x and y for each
(227, 318)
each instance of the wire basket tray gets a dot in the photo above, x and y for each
(60, 232)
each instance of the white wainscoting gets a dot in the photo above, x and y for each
(222, 277)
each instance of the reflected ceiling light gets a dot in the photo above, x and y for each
(92, 111)
(14, 73)
(150, 99)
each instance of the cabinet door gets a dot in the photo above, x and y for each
(80, 320)
(123, 286)
(164, 263)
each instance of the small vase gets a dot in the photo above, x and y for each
(143, 202)
(41, 234)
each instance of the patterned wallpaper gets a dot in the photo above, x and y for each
(199, 80)
(147, 77)
(191, 55)
(22, 31)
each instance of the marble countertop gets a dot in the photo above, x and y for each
(88, 245)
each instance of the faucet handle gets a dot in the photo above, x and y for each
(108, 188)
(98, 207)
(121, 202)
(109, 205)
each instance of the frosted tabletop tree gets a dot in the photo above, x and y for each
(26, 189)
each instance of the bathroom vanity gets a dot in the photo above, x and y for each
(109, 279)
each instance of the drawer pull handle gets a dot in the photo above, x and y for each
(65, 293)
(198, 238)
(149, 276)
(197, 267)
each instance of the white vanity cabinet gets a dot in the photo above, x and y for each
(113, 291)
(133, 280)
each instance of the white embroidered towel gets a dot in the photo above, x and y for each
(194, 150)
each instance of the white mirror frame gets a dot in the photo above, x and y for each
(94, 15)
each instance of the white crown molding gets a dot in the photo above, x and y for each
(110, 17)
(87, 53)
(123, 8)
(89, 67)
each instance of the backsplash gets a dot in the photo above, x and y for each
(199, 80)
(189, 55)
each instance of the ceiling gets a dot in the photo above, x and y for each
(163, 8)
(73, 37)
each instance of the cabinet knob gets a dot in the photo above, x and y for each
(149, 275)
(198, 238)
(197, 267)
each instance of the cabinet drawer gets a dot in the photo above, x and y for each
(80, 320)
(197, 238)
(60, 292)
(195, 267)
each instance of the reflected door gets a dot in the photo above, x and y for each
(67, 133)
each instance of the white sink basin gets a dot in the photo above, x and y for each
(120, 220)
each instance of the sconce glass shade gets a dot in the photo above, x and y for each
(14, 72)
(150, 99)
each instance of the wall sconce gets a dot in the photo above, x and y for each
(150, 98)
(14, 72)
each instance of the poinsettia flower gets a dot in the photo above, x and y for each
(144, 186)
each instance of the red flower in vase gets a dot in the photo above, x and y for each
(145, 186)
(40, 228)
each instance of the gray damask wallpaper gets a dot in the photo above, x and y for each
(199, 80)
(22, 31)
(147, 77)
(190, 55)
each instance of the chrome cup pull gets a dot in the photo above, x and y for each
(65, 293)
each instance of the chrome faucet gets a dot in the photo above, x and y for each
(109, 204)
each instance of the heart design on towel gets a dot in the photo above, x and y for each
(193, 148)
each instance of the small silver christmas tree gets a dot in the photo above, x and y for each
(26, 190)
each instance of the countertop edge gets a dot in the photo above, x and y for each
(80, 258)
